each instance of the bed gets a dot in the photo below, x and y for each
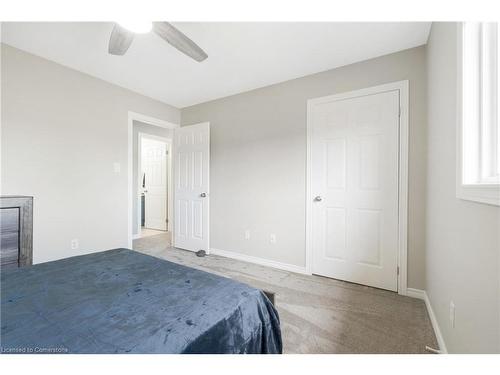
(122, 301)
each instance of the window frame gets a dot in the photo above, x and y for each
(482, 189)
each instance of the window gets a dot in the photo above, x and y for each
(478, 173)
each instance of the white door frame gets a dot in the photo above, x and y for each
(402, 86)
(168, 142)
(134, 116)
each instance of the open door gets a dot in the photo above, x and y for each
(191, 161)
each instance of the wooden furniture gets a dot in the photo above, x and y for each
(16, 231)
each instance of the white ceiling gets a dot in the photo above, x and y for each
(241, 56)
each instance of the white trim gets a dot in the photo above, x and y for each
(415, 293)
(131, 117)
(422, 294)
(259, 261)
(435, 325)
(168, 142)
(481, 193)
(151, 120)
(404, 103)
(403, 87)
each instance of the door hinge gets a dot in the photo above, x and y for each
(397, 270)
(166, 152)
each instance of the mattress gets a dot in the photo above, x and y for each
(122, 301)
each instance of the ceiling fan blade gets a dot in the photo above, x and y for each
(180, 41)
(120, 40)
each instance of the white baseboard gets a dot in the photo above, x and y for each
(136, 236)
(422, 294)
(260, 261)
(415, 293)
(435, 325)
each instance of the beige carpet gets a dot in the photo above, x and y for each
(318, 314)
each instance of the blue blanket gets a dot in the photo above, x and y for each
(121, 301)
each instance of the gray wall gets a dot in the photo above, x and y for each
(258, 158)
(463, 245)
(140, 127)
(61, 133)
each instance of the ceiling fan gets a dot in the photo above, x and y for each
(123, 34)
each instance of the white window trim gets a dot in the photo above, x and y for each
(482, 193)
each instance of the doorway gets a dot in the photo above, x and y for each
(357, 186)
(142, 127)
(188, 163)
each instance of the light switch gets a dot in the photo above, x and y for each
(117, 168)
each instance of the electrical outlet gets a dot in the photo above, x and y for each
(452, 314)
(74, 244)
(247, 234)
(272, 238)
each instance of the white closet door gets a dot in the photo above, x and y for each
(354, 189)
(154, 167)
(191, 187)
